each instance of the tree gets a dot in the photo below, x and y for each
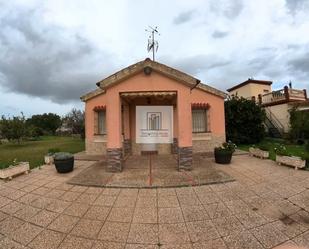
(46, 123)
(13, 128)
(75, 120)
(299, 123)
(244, 121)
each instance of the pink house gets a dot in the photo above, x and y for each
(149, 107)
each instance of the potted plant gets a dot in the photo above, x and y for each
(283, 157)
(223, 154)
(260, 151)
(64, 162)
(49, 158)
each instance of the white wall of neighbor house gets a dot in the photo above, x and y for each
(281, 112)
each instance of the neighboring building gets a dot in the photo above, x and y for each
(276, 103)
(251, 88)
(149, 106)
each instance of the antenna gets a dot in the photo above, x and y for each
(152, 43)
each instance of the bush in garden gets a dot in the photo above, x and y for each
(244, 121)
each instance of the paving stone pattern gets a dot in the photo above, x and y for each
(267, 206)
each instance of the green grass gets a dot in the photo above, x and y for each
(34, 151)
(271, 143)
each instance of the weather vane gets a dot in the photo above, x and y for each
(153, 44)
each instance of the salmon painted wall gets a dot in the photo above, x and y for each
(154, 82)
(216, 110)
(89, 114)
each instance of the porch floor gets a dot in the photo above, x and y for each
(153, 171)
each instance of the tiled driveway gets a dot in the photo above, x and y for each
(266, 206)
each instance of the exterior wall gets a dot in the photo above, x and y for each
(281, 112)
(206, 142)
(216, 110)
(244, 91)
(96, 144)
(250, 90)
(158, 82)
(257, 89)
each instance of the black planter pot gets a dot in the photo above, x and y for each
(222, 156)
(64, 166)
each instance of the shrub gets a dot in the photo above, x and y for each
(244, 121)
(52, 151)
(281, 150)
(300, 141)
(307, 146)
(264, 147)
(299, 122)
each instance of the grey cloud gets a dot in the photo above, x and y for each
(195, 65)
(300, 64)
(260, 63)
(184, 17)
(234, 9)
(44, 60)
(230, 9)
(296, 5)
(219, 34)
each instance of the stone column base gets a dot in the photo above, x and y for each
(174, 146)
(114, 160)
(185, 158)
(127, 147)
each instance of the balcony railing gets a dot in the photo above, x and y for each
(283, 95)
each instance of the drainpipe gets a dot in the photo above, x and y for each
(196, 84)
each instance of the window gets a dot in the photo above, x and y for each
(101, 122)
(265, 91)
(199, 120)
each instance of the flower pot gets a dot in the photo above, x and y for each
(65, 165)
(223, 156)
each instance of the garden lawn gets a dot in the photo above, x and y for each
(34, 151)
(271, 143)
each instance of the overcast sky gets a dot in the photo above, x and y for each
(51, 52)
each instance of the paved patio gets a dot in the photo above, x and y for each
(153, 171)
(267, 206)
